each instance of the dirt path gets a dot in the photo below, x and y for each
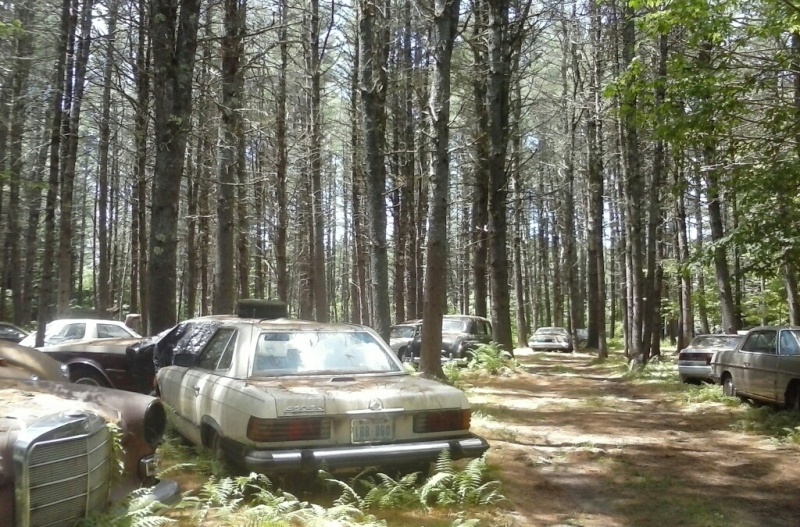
(577, 445)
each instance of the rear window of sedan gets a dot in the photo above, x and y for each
(320, 352)
(715, 341)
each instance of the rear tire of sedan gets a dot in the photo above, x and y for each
(728, 387)
(88, 377)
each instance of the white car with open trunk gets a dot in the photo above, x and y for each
(287, 395)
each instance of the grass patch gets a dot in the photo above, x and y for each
(707, 393)
(783, 425)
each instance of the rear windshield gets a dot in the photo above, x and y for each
(716, 341)
(320, 352)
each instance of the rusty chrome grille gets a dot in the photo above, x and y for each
(63, 470)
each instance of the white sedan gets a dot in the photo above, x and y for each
(287, 395)
(67, 329)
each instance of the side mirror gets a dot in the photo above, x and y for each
(185, 360)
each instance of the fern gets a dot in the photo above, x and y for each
(137, 510)
(449, 486)
(490, 358)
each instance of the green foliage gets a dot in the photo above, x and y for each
(782, 425)
(708, 393)
(451, 487)
(490, 358)
(137, 510)
(117, 459)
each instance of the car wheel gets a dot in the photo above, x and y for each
(727, 386)
(88, 377)
(215, 447)
(793, 401)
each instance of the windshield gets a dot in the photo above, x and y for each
(310, 352)
(716, 341)
(453, 325)
(403, 332)
(551, 331)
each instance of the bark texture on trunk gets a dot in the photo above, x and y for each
(173, 31)
(374, 43)
(445, 25)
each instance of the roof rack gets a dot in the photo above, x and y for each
(261, 309)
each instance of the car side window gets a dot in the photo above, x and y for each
(218, 354)
(761, 342)
(789, 344)
(196, 337)
(72, 332)
(110, 331)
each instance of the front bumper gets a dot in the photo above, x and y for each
(550, 346)
(359, 456)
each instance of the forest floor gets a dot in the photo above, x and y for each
(580, 443)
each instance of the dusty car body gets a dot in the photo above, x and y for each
(694, 361)
(402, 336)
(11, 333)
(764, 366)
(551, 339)
(70, 329)
(20, 362)
(102, 362)
(460, 335)
(56, 454)
(295, 396)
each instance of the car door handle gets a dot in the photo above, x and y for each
(196, 389)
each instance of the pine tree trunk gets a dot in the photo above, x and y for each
(104, 299)
(445, 27)
(374, 41)
(47, 283)
(230, 110)
(282, 161)
(497, 95)
(22, 69)
(65, 253)
(174, 38)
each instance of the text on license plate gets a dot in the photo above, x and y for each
(371, 430)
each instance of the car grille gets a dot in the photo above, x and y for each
(63, 467)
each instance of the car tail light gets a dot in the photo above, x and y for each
(278, 430)
(442, 421)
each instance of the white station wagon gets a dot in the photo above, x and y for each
(287, 395)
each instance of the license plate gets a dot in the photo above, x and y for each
(371, 430)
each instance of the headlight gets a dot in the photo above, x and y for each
(155, 420)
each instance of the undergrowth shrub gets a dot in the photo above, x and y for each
(449, 486)
(782, 425)
(490, 358)
(708, 393)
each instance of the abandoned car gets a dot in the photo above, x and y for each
(57, 461)
(286, 395)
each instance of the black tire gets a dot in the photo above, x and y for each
(793, 399)
(88, 377)
(728, 388)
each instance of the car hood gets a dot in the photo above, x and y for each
(22, 362)
(117, 346)
(341, 394)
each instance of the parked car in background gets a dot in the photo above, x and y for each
(11, 333)
(294, 396)
(694, 361)
(583, 336)
(550, 338)
(103, 362)
(460, 335)
(57, 459)
(764, 366)
(67, 329)
(402, 336)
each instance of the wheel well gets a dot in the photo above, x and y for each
(80, 366)
(725, 375)
(206, 434)
(791, 389)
